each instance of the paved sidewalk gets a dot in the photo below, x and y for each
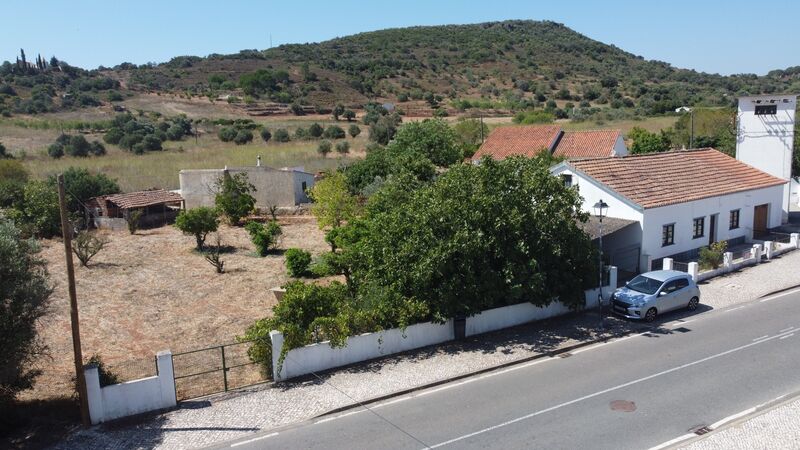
(778, 428)
(234, 415)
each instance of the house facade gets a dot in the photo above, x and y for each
(274, 187)
(682, 200)
(531, 140)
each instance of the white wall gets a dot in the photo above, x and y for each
(683, 215)
(301, 196)
(619, 147)
(132, 397)
(591, 192)
(766, 141)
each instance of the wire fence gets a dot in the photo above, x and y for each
(132, 369)
(216, 369)
(743, 254)
(680, 266)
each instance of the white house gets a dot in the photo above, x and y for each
(682, 200)
(765, 137)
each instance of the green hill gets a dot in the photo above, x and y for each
(506, 65)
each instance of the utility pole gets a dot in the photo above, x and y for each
(481, 116)
(66, 232)
(691, 136)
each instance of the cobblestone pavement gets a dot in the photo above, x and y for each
(778, 428)
(233, 415)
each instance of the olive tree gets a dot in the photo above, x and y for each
(233, 196)
(198, 222)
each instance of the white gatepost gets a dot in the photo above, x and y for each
(612, 278)
(667, 264)
(768, 249)
(727, 261)
(794, 239)
(94, 393)
(693, 270)
(757, 253)
(277, 346)
(166, 378)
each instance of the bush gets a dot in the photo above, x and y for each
(107, 377)
(133, 220)
(711, 257)
(315, 130)
(265, 238)
(39, 214)
(343, 147)
(55, 151)
(297, 262)
(281, 135)
(324, 148)
(227, 134)
(334, 132)
(151, 143)
(97, 149)
(199, 222)
(26, 290)
(83, 185)
(266, 135)
(533, 117)
(354, 130)
(233, 197)
(86, 245)
(243, 137)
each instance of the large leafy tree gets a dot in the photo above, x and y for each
(233, 197)
(478, 237)
(24, 294)
(431, 138)
(81, 185)
(644, 141)
(198, 222)
(333, 203)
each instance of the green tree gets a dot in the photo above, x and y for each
(469, 134)
(266, 135)
(324, 148)
(333, 204)
(81, 185)
(243, 137)
(24, 296)
(13, 177)
(233, 196)
(354, 130)
(265, 238)
(349, 115)
(343, 147)
(281, 135)
(383, 129)
(338, 110)
(39, 214)
(334, 132)
(198, 222)
(431, 138)
(647, 142)
(227, 134)
(297, 262)
(315, 130)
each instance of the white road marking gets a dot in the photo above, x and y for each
(254, 439)
(734, 309)
(684, 437)
(762, 337)
(604, 391)
(786, 329)
(787, 336)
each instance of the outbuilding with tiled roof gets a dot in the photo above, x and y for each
(155, 207)
(531, 140)
(682, 199)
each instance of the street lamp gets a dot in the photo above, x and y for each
(683, 109)
(600, 210)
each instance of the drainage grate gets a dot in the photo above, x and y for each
(682, 330)
(700, 430)
(564, 355)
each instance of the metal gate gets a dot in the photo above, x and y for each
(216, 369)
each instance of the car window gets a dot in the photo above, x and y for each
(670, 287)
(644, 284)
(682, 283)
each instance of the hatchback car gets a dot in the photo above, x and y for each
(653, 293)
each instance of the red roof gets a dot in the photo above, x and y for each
(142, 198)
(587, 144)
(527, 140)
(661, 179)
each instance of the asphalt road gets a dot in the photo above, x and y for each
(635, 392)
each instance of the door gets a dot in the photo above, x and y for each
(760, 220)
(667, 298)
(712, 229)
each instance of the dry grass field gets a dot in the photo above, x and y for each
(151, 292)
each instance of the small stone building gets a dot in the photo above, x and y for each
(159, 207)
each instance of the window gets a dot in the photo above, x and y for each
(303, 186)
(764, 110)
(734, 220)
(668, 235)
(567, 180)
(699, 227)
(682, 283)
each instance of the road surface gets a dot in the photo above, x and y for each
(637, 392)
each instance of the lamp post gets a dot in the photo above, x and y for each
(600, 210)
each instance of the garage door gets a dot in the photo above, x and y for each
(626, 259)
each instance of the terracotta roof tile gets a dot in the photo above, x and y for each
(662, 179)
(587, 144)
(527, 140)
(143, 198)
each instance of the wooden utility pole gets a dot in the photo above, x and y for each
(66, 233)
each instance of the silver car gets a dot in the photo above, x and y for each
(653, 293)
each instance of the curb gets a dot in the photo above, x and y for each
(779, 291)
(473, 373)
(730, 421)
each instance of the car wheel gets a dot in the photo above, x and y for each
(650, 315)
(693, 304)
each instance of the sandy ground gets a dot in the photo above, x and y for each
(151, 292)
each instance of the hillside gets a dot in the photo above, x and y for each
(508, 65)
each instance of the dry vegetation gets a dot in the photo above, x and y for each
(151, 292)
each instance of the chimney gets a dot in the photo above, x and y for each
(258, 161)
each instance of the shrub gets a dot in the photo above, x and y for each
(107, 377)
(39, 213)
(354, 130)
(233, 198)
(281, 135)
(97, 149)
(301, 134)
(324, 148)
(334, 132)
(213, 256)
(297, 262)
(26, 290)
(343, 147)
(227, 134)
(133, 220)
(350, 115)
(265, 238)
(86, 245)
(55, 150)
(266, 135)
(199, 222)
(711, 257)
(315, 130)
(151, 142)
(243, 137)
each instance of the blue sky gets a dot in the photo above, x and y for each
(725, 37)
